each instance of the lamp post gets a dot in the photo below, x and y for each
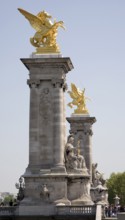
(116, 201)
(20, 186)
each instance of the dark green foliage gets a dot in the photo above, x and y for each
(116, 186)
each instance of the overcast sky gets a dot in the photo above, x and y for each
(95, 41)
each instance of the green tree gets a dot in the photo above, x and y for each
(116, 186)
(8, 198)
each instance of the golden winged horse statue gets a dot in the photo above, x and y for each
(79, 100)
(46, 32)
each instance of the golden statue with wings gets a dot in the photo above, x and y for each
(46, 32)
(79, 100)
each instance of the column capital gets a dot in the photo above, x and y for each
(59, 83)
(33, 83)
(83, 124)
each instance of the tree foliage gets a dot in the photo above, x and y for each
(116, 186)
(8, 198)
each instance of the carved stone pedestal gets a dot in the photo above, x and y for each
(79, 190)
(99, 196)
(46, 189)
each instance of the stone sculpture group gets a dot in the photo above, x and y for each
(73, 160)
(59, 172)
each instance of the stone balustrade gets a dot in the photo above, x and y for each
(7, 211)
(60, 210)
(76, 210)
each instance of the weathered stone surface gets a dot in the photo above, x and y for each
(81, 128)
(47, 112)
(99, 196)
(74, 161)
(48, 184)
(79, 190)
(45, 176)
(45, 189)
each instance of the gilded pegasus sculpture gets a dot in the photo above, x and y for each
(79, 100)
(46, 32)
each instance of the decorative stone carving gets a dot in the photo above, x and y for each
(99, 192)
(81, 127)
(44, 194)
(59, 83)
(73, 160)
(97, 177)
(33, 83)
(88, 131)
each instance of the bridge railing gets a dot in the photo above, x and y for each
(7, 210)
(61, 210)
(76, 210)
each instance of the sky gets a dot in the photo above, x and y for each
(95, 42)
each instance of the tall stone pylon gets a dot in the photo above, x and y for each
(47, 129)
(47, 112)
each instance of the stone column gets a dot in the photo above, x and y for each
(58, 122)
(81, 127)
(47, 123)
(34, 121)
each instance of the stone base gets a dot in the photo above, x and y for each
(80, 115)
(55, 189)
(39, 210)
(48, 50)
(60, 188)
(79, 190)
(45, 189)
(58, 169)
(62, 202)
(52, 55)
(85, 200)
(77, 172)
(99, 197)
